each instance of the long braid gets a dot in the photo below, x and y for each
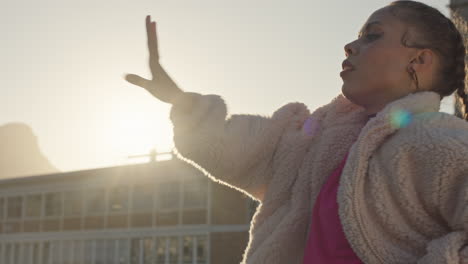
(461, 97)
(440, 34)
(462, 101)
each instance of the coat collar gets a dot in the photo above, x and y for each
(411, 104)
(396, 114)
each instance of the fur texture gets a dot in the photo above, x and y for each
(403, 194)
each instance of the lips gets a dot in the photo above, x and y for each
(347, 66)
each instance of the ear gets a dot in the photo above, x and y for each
(423, 60)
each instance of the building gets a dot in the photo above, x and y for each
(459, 6)
(156, 212)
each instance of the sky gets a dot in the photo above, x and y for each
(63, 64)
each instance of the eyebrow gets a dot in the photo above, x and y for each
(368, 26)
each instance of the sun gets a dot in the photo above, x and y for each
(138, 133)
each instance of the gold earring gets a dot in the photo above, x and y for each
(414, 76)
(416, 81)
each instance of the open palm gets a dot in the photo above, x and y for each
(161, 85)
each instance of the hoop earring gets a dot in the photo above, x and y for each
(414, 76)
(416, 81)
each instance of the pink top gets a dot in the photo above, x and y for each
(327, 242)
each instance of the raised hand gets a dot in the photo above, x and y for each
(161, 85)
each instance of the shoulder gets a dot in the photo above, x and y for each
(429, 155)
(430, 146)
(434, 131)
(291, 109)
(432, 149)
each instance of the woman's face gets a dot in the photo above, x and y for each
(380, 63)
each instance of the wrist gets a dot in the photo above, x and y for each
(184, 101)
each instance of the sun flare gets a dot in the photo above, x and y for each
(138, 134)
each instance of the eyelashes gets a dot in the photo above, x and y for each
(371, 37)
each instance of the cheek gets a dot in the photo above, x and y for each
(382, 66)
(375, 61)
(370, 67)
(371, 77)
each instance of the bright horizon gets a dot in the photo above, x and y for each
(64, 64)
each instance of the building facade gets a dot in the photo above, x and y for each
(164, 212)
(460, 6)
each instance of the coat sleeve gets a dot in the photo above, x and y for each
(450, 248)
(448, 159)
(237, 151)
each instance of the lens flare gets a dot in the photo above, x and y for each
(400, 118)
(310, 127)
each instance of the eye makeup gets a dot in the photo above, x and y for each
(368, 27)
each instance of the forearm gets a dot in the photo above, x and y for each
(451, 248)
(238, 150)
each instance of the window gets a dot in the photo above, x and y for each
(7, 252)
(195, 250)
(17, 254)
(187, 257)
(36, 251)
(161, 250)
(143, 251)
(46, 252)
(167, 250)
(78, 251)
(95, 200)
(88, 251)
(67, 251)
(53, 204)
(100, 251)
(143, 198)
(25, 254)
(124, 251)
(148, 251)
(201, 249)
(55, 252)
(73, 203)
(14, 207)
(33, 205)
(29, 252)
(110, 250)
(173, 250)
(195, 193)
(118, 199)
(135, 251)
(168, 195)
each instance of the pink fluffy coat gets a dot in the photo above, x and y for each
(403, 194)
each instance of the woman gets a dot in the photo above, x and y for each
(378, 175)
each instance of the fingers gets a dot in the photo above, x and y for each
(148, 19)
(137, 80)
(152, 39)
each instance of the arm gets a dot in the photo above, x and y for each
(452, 169)
(450, 248)
(238, 150)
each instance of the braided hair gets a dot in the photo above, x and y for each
(441, 35)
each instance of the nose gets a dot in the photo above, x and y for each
(349, 49)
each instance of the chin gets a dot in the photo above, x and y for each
(346, 91)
